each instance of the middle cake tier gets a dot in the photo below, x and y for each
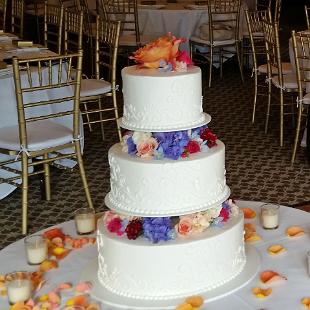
(146, 187)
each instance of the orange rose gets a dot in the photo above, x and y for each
(185, 226)
(165, 48)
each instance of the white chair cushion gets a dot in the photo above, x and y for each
(130, 39)
(306, 99)
(286, 68)
(93, 87)
(216, 43)
(289, 81)
(41, 135)
(221, 33)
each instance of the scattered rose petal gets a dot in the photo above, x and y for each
(20, 306)
(260, 292)
(54, 298)
(64, 286)
(195, 301)
(252, 237)
(54, 233)
(57, 241)
(80, 300)
(295, 231)
(59, 252)
(249, 227)
(269, 276)
(37, 279)
(248, 213)
(30, 302)
(184, 306)
(93, 307)
(43, 298)
(276, 249)
(83, 287)
(306, 302)
(48, 265)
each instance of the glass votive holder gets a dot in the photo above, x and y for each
(19, 286)
(36, 249)
(85, 221)
(270, 216)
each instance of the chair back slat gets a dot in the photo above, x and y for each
(53, 27)
(17, 18)
(73, 31)
(3, 9)
(107, 41)
(224, 14)
(307, 11)
(125, 11)
(47, 74)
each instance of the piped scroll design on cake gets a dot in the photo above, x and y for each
(123, 197)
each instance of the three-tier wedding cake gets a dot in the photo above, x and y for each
(171, 231)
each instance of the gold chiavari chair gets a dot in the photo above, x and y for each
(273, 5)
(40, 133)
(3, 8)
(301, 46)
(53, 27)
(222, 32)
(17, 18)
(73, 31)
(96, 92)
(127, 13)
(307, 10)
(284, 83)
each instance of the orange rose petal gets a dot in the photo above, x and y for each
(184, 306)
(80, 300)
(83, 287)
(248, 213)
(276, 249)
(48, 265)
(269, 276)
(306, 302)
(64, 286)
(195, 301)
(294, 231)
(54, 298)
(93, 307)
(249, 227)
(20, 306)
(252, 237)
(60, 253)
(54, 233)
(260, 292)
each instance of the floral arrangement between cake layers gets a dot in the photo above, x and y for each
(163, 54)
(172, 145)
(156, 229)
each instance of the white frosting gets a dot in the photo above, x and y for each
(162, 101)
(177, 268)
(149, 187)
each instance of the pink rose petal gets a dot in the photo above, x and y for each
(83, 287)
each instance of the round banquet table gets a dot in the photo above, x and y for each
(286, 295)
(182, 19)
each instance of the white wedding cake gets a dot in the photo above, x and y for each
(170, 231)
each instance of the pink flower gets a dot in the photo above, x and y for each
(184, 57)
(115, 225)
(224, 214)
(185, 226)
(147, 147)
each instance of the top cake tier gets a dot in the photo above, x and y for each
(162, 101)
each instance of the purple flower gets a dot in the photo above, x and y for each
(131, 146)
(157, 229)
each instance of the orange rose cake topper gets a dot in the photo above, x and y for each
(163, 54)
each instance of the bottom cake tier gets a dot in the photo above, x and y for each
(185, 266)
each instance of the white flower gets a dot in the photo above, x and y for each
(214, 212)
(180, 66)
(139, 137)
(124, 143)
(234, 209)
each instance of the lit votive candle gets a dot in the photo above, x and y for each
(85, 221)
(270, 216)
(36, 249)
(19, 287)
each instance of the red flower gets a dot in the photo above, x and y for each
(193, 147)
(209, 136)
(224, 214)
(54, 233)
(133, 229)
(115, 225)
(184, 57)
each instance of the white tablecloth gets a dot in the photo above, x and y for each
(177, 19)
(285, 296)
(8, 116)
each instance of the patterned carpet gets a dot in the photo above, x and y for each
(257, 168)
